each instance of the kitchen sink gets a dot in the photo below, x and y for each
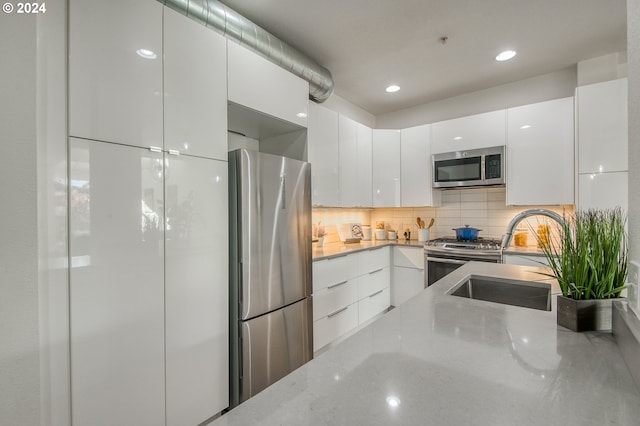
(526, 294)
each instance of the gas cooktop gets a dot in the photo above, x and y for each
(489, 244)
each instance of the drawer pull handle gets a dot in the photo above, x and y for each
(377, 270)
(333, 314)
(376, 293)
(336, 285)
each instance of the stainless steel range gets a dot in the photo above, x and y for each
(444, 255)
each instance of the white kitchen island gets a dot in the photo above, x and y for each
(445, 360)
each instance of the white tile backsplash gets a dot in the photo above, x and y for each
(482, 208)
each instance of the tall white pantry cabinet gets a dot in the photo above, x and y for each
(148, 216)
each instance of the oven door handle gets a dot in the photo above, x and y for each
(442, 260)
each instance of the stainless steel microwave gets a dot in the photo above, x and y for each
(473, 167)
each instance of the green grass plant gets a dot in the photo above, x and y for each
(589, 254)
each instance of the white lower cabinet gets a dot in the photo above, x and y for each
(348, 290)
(408, 274)
(331, 327)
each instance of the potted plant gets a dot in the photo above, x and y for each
(588, 257)
(319, 232)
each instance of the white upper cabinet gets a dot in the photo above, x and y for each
(602, 127)
(364, 166)
(355, 153)
(540, 153)
(348, 155)
(323, 154)
(603, 190)
(195, 88)
(415, 175)
(474, 131)
(386, 168)
(196, 289)
(264, 86)
(115, 71)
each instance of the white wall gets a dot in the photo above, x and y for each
(19, 347)
(633, 57)
(346, 108)
(555, 85)
(602, 68)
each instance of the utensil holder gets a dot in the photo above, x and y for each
(423, 234)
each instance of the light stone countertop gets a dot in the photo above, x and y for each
(456, 361)
(329, 250)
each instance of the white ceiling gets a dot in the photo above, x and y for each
(368, 44)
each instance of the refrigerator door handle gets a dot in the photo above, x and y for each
(283, 191)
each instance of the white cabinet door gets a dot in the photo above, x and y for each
(364, 163)
(603, 190)
(540, 153)
(386, 168)
(195, 88)
(323, 136)
(408, 274)
(602, 127)
(264, 86)
(116, 284)
(355, 163)
(474, 131)
(197, 328)
(348, 155)
(407, 283)
(115, 71)
(415, 176)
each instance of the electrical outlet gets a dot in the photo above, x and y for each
(633, 283)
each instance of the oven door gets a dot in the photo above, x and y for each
(437, 265)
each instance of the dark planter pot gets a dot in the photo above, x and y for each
(584, 315)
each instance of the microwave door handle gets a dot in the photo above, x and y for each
(483, 175)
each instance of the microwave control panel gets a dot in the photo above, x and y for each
(493, 169)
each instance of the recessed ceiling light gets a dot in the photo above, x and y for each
(457, 138)
(301, 114)
(146, 53)
(393, 88)
(393, 401)
(526, 126)
(506, 55)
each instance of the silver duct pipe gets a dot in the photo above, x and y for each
(231, 24)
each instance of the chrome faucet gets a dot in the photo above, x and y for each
(506, 238)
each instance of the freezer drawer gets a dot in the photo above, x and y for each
(275, 344)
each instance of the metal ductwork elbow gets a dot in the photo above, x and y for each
(232, 25)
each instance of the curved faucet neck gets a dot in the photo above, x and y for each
(506, 238)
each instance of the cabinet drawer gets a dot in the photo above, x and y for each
(373, 305)
(327, 272)
(334, 297)
(408, 257)
(373, 259)
(373, 282)
(329, 328)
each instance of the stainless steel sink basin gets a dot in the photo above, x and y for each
(526, 294)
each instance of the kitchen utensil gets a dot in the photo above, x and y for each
(430, 223)
(466, 233)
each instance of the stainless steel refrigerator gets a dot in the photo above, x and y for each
(270, 270)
